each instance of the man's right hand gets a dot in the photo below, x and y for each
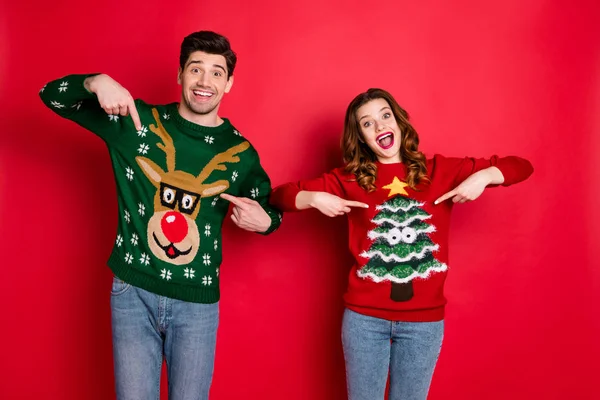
(113, 98)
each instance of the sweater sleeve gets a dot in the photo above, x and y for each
(68, 98)
(284, 196)
(257, 186)
(514, 169)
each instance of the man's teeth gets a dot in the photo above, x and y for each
(199, 93)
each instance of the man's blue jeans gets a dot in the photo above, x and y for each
(147, 327)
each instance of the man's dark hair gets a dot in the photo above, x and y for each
(208, 42)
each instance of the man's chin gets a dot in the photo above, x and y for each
(202, 109)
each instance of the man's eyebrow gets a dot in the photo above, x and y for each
(202, 62)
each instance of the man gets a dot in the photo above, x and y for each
(171, 164)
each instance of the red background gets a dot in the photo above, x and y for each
(479, 78)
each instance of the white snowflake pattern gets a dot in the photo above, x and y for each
(207, 230)
(142, 132)
(217, 271)
(129, 173)
(127, 216)
(234, 176)
(113, 118)
(77, 105)
(119, 240)
(165, 274)
(236, 132)
(128, 258)
(42, 89)
(134, 239)
(206, 280)
(166, 116)
(206, 259)
(141, 209)
(143, 149)
(214, 202)
(145, 259)
(254, 193)
(56, 104)
(189, 273)
(64, 85)
(216, 244)
(209, 139)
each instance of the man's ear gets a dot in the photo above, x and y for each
(179, 72)
(229, 84)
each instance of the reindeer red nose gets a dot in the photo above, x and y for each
(174, 226)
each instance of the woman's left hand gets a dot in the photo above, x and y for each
(470, 189)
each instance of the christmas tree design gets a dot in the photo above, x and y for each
(401, 248)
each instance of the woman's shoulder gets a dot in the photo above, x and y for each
(342, 172)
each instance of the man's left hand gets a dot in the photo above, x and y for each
(248, 214)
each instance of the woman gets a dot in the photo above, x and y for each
(400, 202)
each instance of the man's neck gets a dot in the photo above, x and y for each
(210, 120)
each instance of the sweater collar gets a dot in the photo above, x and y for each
(189, 126)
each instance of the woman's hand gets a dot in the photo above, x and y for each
(329, 204)
(472, 187)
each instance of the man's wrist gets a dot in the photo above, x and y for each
(87, 83)
(267, 222)
(90, 83)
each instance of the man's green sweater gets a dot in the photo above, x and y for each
(169, 175)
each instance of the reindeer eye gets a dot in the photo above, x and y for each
(169, 196)
(187, 202)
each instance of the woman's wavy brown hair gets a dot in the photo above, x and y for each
(360, 159)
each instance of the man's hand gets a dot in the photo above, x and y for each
(113, 98)
(248, 214)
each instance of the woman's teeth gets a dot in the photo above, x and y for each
(385, 141)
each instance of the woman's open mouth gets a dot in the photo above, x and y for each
(385, 140)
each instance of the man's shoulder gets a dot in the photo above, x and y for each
(238, 136)
(144, 106)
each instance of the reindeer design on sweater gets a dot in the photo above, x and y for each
(173, 234)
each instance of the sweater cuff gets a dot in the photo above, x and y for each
(76, 87)
(284, 197)
(514, 169)
(276, 218)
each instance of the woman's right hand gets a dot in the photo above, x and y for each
(330, 204)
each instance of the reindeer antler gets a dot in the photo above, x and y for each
(218, 161)
(167, 144)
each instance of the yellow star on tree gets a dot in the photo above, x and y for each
(396, 187)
